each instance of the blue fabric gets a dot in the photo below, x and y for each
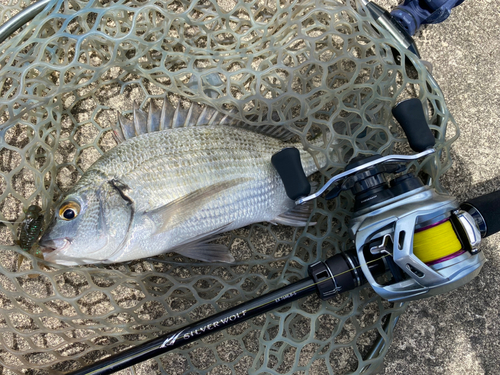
(414, 13)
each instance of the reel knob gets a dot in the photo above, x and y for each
(410, 115)
(287, 163)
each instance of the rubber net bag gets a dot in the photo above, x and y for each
(314, 67)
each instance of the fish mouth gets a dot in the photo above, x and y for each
(49, 246)
(53, 251)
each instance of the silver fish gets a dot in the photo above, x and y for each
(177, 179)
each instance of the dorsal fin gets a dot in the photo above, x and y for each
(170, 117)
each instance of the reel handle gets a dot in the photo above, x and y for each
(486, 212)
(410, 115)
(287, 163)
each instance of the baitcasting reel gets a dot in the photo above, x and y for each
(428, 242)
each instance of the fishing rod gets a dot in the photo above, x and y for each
(335, 275)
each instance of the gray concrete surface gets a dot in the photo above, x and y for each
(459, 333)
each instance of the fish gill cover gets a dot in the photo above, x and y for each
(309, 66)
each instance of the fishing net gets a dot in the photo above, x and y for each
(311, 66)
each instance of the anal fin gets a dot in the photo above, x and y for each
(201, 248)
(206, 252)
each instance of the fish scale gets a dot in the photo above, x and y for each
(172, 190)
(187, 168)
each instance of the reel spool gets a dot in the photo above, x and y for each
(429, 244)
(437, 243)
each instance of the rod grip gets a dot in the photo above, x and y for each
(410, 115)
(488, 206)
(287, 163)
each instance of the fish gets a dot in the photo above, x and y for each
(177, 179)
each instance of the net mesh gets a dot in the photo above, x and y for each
(307, 65)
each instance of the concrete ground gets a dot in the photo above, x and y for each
(459, 333)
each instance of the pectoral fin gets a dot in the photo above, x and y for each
(183, 208)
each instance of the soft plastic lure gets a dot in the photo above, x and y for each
(31, 228)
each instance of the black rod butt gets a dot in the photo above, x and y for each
(486, 212)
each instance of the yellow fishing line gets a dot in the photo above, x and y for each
(436, 242)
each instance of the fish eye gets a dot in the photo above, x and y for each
(69, 211)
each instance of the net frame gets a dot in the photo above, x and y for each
(310, 66)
